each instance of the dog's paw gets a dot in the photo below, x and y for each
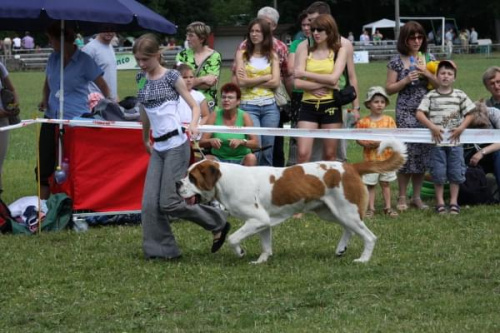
(262, 259)
(340, 253)
(361, 260)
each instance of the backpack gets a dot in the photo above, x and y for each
(5, 218)
(475, 189)
(127, 110)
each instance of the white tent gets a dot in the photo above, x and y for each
(381, 24)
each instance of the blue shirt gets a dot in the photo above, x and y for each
(80, 70)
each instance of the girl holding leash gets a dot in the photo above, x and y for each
(159, 90)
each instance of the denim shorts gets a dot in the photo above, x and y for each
(447, 164)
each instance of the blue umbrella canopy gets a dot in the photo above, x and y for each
(86, 15)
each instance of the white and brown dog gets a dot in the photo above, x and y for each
(265, 196)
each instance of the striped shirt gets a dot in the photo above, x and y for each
(446, 110)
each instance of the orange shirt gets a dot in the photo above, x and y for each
(370, 154)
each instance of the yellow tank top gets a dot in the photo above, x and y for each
(256, 93)
(323, 66)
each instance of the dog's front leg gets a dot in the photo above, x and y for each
(266, 245)
(251, 227)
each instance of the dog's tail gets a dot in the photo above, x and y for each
(393, 163)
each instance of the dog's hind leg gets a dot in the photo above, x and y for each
(266, 245)
(352, 222)
(326, 214)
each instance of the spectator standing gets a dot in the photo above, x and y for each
(79, 70)
(7, 46)
(448, 109)
(271, 16)
(204, 61)
(257, 68)
(473, 39)
(5, 82)
(103, 53)
(376, 101)
(364, 38)
(159, 91)
(377, 37)
(79, 42)
(350, 37)
(449, 36)
(28, 42)
(313, 11)
(296, 97)
(411, 86)
(464, 40)
(317, 71)
(16, 43)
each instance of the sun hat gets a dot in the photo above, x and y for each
(376, 90)
(448, 63)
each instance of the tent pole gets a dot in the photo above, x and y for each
(61, 94)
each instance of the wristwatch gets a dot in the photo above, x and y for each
(245, 142)
(483, 152)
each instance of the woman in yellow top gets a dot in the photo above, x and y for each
(258, 74)
(317, 71)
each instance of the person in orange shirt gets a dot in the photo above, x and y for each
(377, 100)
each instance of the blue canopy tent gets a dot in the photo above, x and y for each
(87, 15)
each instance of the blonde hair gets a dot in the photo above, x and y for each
(200, 29)
(149, 46)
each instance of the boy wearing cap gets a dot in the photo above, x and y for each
(445, 108)
(376, 101)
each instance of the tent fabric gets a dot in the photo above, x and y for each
(88, 15)
(381, 24)
(107, 168)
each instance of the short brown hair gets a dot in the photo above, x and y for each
(200, 29)
(411, 28)
(319, 7)
(231, 87)
(490, 74)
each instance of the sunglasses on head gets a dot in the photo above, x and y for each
(317, 29)
(416, 37)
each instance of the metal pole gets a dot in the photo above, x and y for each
(396, 14)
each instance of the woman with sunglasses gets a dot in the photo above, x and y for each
(411, 86)
(258, 74)
(317, 72)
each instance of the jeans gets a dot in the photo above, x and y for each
(264, 116)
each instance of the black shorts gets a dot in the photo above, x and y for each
(320, 112)
(47, 149)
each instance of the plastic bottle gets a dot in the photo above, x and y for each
(60, 175)
(350, 120)
(413, 67)
(65, 166)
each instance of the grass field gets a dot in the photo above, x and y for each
(429, 273)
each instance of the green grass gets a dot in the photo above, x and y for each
(428, 273)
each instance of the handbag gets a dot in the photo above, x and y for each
(9, 105)
(348, 94)
(280, 95)
(8, 101)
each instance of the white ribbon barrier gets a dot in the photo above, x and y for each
(412, 135)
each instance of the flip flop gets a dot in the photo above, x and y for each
(218, 242)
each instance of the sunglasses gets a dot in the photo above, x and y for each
(317, 29)
(417, 37)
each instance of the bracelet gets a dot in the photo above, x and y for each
(357, 108)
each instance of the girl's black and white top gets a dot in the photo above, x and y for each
(160, 100)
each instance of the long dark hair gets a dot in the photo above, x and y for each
(267, 42)
(409, 29)
(325, 21)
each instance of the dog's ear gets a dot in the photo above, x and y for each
(481, 118)
(210, 174)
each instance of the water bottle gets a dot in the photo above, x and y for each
(60, 175)
(350, 120)
(413, 67)
(65, 166)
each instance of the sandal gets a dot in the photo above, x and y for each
(440, 209)
(219, 241)
(391, 213)
(418, 204)
(369, 213)
(402, 206)
(454, 209)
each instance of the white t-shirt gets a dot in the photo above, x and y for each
(104, 56)
(184, 109)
